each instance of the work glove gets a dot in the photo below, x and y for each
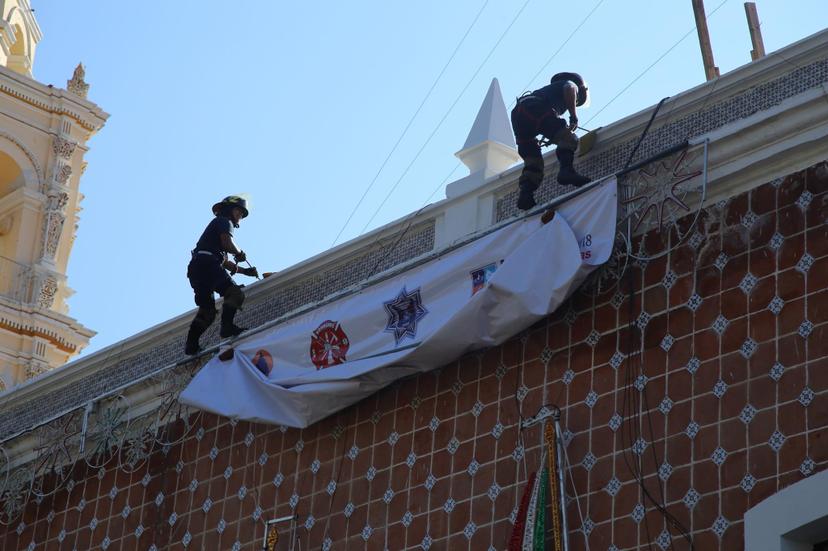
(251, 271)
(240, 257)
(573, 123)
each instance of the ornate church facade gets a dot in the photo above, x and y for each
(43, 136)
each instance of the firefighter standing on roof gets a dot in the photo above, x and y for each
(208, 272)
(541, 112)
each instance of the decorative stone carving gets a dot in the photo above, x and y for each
(62, 173)
(53, 223)
(56, 202)
(46, 294)
(35, 368)
(76, 84)
(53, 230)
(63, 148)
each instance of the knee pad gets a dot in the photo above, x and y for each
(566, 139)
(234, 297)
(533, 164)
(206, 315)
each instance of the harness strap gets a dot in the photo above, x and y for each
(523, 110)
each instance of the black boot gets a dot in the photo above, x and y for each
(191, 348)
(228, 328)
(566, 172)
(526, 199)
(530, 180)
(204, 317)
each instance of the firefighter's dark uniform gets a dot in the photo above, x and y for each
(207, 275)
(540, 112)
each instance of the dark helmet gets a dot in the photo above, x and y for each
(232, 201)
(583, 89)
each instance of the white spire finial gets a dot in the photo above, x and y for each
(492, 122)
(490, 145)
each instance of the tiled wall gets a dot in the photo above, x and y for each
(712, 376)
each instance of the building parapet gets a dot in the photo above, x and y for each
(769, 115)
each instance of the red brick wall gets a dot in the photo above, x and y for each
(562, 361)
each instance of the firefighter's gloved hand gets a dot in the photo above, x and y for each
(251, 271)
(573, 123)
(240, 257)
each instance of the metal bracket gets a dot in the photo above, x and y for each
(275, 521)
(86, 411)
(545, 413)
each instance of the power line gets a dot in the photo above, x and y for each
(410, 121)
(456, 166)
(545, 65)
(439, 124)
(565, 42)
(653, 64)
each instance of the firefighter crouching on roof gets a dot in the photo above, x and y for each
(208, 272)
(541, 112)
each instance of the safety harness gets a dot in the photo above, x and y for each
(523, 110)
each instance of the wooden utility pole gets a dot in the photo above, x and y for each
(755, 31)
(710, 69)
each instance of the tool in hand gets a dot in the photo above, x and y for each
(250, 266)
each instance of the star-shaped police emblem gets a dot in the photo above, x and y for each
(404, 311)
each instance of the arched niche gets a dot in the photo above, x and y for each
(11, 176)
(21, 53)
(19, 46)
(17, 167)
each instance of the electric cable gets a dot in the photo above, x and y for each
(445, 116)
(564, 43)
(410, 121)
(411, 217)
(635, 411)
(548, 61)
(654, 63)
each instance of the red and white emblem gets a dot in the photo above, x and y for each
(329, 345)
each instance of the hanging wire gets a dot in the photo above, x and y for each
(410, 121)
(564, 43)
(445, 116)
(456, 166)
(653, 64)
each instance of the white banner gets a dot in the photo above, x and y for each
(473, 297)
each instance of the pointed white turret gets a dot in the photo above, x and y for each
(489, 150)
(490, 145)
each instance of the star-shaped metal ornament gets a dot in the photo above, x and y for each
(404, 311)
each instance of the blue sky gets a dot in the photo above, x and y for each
(299, 103)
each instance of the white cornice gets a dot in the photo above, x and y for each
(52, 100)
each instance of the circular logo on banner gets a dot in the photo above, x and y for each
(263, 361)
(329, 345)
